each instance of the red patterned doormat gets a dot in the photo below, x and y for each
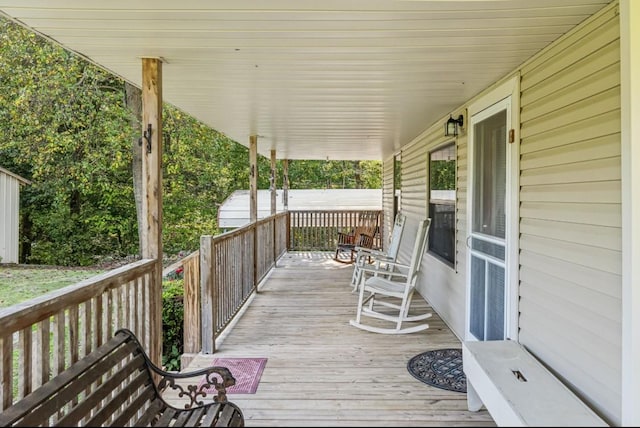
(246, 371)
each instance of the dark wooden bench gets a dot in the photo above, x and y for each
(117, 385)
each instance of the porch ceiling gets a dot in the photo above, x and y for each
(343, 79)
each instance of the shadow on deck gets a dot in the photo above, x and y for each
(323, 372)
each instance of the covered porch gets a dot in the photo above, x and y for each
(321, 371)
(377, 80)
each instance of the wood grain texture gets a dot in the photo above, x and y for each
(323, 372)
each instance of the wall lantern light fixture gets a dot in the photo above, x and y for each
(451, 127)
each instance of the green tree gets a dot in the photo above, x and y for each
(65, 125)
(443, 174)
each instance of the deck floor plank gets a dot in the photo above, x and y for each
(321, 371)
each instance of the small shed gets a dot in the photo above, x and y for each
(234, 211)
(9, 214)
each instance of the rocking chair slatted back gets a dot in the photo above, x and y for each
(371, 255)
(362, 235)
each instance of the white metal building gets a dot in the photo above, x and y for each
(9, 214)
(234, 211)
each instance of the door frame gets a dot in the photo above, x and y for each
(507, 90)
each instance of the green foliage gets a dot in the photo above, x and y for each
(443, 175)
(172, 323)
(316, 174)
(64, 126)
(201, 168)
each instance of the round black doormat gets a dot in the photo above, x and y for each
(441, 368)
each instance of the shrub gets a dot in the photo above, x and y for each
(172, 323)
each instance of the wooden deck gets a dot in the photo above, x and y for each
(323, 372)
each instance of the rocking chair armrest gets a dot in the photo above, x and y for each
(378, 270)
(396, 264)
(365, 241)
(365, 251)
(346, 238)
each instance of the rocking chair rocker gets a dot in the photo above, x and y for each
(384, 285)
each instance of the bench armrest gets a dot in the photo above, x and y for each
(218, 377)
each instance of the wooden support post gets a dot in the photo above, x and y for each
(273, 186)
(253, 178)
(285, 199)
(192, 310)
(253, 203)
(285, 184)
(152, 193)
(207, 295)
(272, 182)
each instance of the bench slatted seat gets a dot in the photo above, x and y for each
(117, 385)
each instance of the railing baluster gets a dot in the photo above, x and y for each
(6, 375)
(49, 333)
(43, 362)
(109, 309)
(24, 381)
(59, 343)
(87, 321)
(74, 343)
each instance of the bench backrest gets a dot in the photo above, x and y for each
(109, 386)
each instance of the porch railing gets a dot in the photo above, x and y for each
(231, 267)
(222, 275)
(317, 230)
(41, 337)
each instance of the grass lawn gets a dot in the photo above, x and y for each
(22, 282)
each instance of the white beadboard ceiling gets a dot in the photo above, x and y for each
(337, 79)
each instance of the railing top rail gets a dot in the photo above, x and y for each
(31, 311)
(242, 229)
(181, 262)
(334, 211)
(266, 219)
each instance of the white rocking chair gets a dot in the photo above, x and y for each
(390, 283)
(377, 257)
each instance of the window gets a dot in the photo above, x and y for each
(442, 203)
(397, 183)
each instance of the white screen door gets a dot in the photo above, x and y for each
(487, 291)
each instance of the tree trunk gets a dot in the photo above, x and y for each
(27, 238)
(133, 100)
(357, 174)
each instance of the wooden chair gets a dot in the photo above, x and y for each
(362, 235)
(373, 256)
(392, 287)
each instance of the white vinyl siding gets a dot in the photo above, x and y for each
(442, 286)
(570, 239)
(570, 211)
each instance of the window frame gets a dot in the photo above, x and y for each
(397, 183)
(433, 203)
